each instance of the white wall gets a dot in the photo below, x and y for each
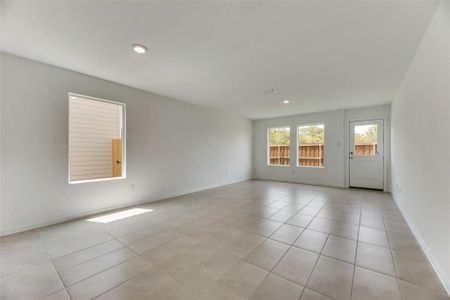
(335, 172)
(172, 147)
(421, 143)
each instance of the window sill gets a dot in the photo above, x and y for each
(311, 167)
(282, 166)
(96, 180)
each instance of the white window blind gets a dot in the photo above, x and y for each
(93, 125)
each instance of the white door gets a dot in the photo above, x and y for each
(366, 154)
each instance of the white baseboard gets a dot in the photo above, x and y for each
(112, 208)
(433, 261)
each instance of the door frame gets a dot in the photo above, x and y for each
(386, 145)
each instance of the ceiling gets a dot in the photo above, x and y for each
(321, 55)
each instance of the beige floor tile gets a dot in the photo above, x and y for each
(287, 234)
(66, 238)
(311, 295)
(281, 216)
(373, 236)
(165, 252)
(398, 226)
(412, 291)
(373, 222)
(416, 270)
(154, 241)
(106, 280)
(369, 285)
(174, 291)
(60, 295)
(296, 265)
(187, 260)
(31, 283)
(139, 287)
(263, 227)
(143, 233)
(267, 254)
(309, 210)
(14, 259)
(375, 258)
(67, 261)
(300, 220)
(311, 240)
(208, 272)
(345, 230)
(322, 225)
(94, 266)
(332, 278)
(238, 283)
(275, 287)
(244, 244)
(405, 243)
(340, 248)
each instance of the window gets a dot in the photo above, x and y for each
(366, 140)
(279, 146)
(96, 139)
(311, 140)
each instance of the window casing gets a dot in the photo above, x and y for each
(278, 146)
(96, 139)
(311, 145)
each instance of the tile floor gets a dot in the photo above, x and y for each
(250, 240)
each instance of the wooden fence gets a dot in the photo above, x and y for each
(311, 155)
(366, 150)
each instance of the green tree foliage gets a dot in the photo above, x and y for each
(279, 136)
(367, 138)
(311, 135)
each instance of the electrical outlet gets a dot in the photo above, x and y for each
(292, 171)
(132, 187)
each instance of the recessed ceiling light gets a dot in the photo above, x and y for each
(286, 101)
(139, 48)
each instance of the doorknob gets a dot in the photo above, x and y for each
(118, 161)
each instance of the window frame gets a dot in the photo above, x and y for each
(268, 147)
(123, 137)
(298, 145)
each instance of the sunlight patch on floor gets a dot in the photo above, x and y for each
(119, 215)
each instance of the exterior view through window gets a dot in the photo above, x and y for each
(96, 139)
(279, 146)
(311, 139)
(366, 140)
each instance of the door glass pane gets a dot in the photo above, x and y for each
(311, 141)
(366, 140)
(279, 146)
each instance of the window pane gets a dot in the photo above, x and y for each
(311, 140)
(279, 146)
(95, 139)
(366, 140)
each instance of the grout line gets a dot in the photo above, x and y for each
(323, 246)
(393, 262)
(51, 261)
(356, 250)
